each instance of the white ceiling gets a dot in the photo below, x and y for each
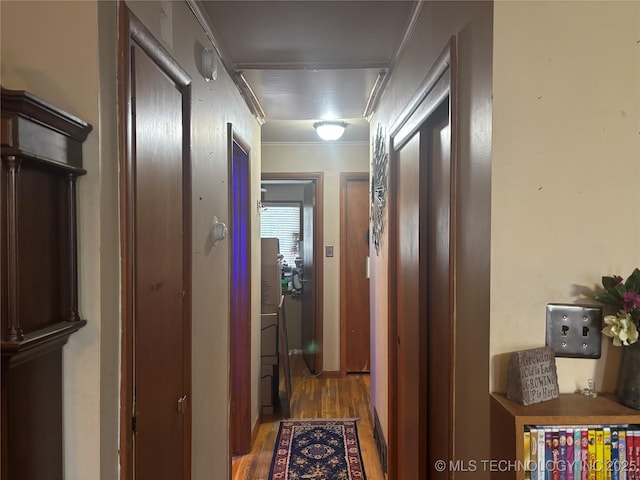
(310, 60)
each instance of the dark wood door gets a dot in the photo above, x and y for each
(308, 327)
(436, 151)
(424, 352)
(156, 251)
(411, 316)
(354, 284)
(421, 277)
(159, 297)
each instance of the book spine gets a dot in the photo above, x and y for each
(548, 454)
(570, 458)
(541, 454)
(606, 466)
(599, 454)
(577, 454)
(636, 443)
(615, 458)
(555, 454)
(592, 453)
(533, 458)
(631, 462)
(562, 460)
(527, 454)
(584, 442)
(622, 453)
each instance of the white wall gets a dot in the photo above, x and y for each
(331, 159)
(565, 169)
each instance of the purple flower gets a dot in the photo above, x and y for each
(630, 299)
(616, 280)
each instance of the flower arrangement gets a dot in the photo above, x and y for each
(625, 297)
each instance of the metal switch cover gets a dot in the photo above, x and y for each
(574, 330)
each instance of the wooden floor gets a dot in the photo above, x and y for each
(312, 397)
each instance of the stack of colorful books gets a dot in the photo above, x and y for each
(582, 452)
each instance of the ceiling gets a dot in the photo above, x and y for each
(306, 60)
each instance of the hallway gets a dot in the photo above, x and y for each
(542, 87)
(346, 397)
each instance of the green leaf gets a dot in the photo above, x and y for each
(633, 282)
(607, 298)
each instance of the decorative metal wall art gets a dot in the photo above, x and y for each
(379, 162)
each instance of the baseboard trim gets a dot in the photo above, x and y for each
(381, 444)
(256, 428)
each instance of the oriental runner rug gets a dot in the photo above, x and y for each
(317, 450)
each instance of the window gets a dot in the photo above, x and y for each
(281, 220)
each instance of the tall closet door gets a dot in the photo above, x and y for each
(159, 275)
(156, 250)
(423, 319)
(411, 320)
(354, 250)
(422, 265)
(436, 154)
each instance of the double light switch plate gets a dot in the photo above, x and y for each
(574, 330)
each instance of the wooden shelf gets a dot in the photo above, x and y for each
(508, 421)
(569, 409)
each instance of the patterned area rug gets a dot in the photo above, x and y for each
(317, 450)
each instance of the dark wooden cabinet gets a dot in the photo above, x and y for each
(41, 161)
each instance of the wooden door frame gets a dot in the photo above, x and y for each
(132, 31)
(345, 177)
(318, 178)
(240, 293)
(440, 83)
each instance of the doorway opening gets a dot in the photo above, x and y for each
(303, 193)
(240, 292)
(422, 276)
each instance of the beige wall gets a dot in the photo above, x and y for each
(566, 169)
(60, 61)
(109, 245)
(331, 159)
(65, 73)
(70, 61)
(472, 23)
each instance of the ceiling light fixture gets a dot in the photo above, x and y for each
(330, 130)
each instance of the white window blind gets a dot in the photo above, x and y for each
(282, 221)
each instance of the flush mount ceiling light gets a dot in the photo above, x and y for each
(330, 130)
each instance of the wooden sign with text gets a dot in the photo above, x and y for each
(532, 376)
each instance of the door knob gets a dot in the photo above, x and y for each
(182, 404)
(218, 231)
